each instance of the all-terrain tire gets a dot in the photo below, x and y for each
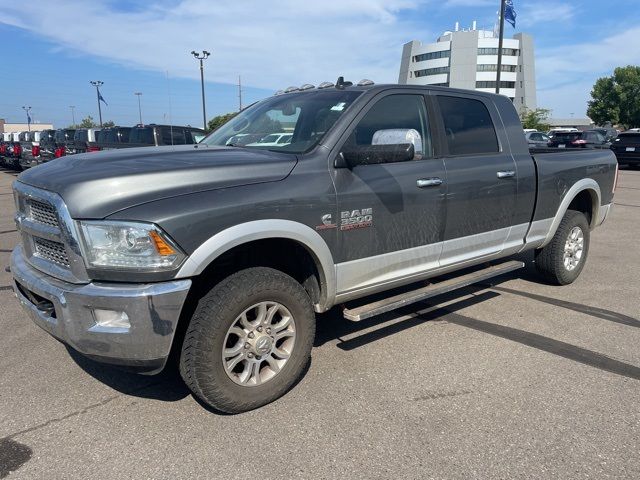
(201, 359)
(550, 260)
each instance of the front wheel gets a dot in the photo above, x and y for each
(561, 260)
(249, 340)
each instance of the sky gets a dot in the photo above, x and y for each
(53, 50)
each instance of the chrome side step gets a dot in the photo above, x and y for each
(387, 304)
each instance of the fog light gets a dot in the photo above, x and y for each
(111, 319)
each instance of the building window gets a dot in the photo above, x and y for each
(521, 84)
(468, 126)
(431, 71)
(445, 84)
(431, 56)
(494, 51)
(492, 84)
(522, 100)
(494, 68)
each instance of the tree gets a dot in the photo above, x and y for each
(616, 99)
(87, 122)
(220, 120)
(108, 123)
(535, 119)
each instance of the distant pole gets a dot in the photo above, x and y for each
(202, 56)
(73, 114)
(27, 110)
(500, 40)
(97, 84)
(138, 94)
(240, 93)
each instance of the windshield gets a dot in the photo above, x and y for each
(294, 122)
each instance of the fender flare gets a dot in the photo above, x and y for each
(243, 233)
(593, 188)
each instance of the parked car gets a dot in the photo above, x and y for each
(607, 132)
(273, 140)
(112, 137)
(158, 135)
(47, 147)
(586, 139)
(537, 139)
(84, 140)
(30, 143)
(627, 148)
(224, 255)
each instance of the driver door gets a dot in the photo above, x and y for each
(390, 214)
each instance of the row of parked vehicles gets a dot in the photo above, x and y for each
(625, 145)
(22, 150)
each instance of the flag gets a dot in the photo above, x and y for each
(28, 119)
(510, 13)
(101, 98)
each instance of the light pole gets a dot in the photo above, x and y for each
(202, 56)
(27, 110)
(73, 114)
(97, 84)
(138, 94)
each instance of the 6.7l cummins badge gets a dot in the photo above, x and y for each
(351, 219)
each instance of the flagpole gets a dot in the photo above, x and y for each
(97, 84)
(500, 41)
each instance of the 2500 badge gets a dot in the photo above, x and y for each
(351, 219)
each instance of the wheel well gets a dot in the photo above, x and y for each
(585, 202)
(285, 255)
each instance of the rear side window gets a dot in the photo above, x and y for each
(81, 136)
(468, 126)
(142, 135)
(172, 136)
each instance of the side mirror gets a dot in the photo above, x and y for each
(355, 155)
(387, 146)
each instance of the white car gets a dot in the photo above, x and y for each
(273, 140)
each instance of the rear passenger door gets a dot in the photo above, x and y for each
(481, 179)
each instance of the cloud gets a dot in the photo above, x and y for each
(271, 45)
(544, 12)
(590, 58)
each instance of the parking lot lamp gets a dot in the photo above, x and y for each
(138, 94)
(202, 56)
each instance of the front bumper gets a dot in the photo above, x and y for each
(66, 311)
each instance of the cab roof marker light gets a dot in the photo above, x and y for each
(325, 85)
(306, 86)
(290, 89)
(365, 82)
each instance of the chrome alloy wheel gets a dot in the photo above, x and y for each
(259, 343)
(573, 249)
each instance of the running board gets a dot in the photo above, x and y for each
(387, 304)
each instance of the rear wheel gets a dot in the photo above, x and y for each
(248, 341)
(561, 260)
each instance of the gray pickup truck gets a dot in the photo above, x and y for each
(222, 254)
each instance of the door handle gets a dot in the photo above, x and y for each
(506, 174)
(429, 182)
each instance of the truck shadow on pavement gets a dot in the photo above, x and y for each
(332, 326)
(167, 386)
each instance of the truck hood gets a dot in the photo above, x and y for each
(95, 185)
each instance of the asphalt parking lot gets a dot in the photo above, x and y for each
(513, 379)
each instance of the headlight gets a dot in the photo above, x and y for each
(134, 246)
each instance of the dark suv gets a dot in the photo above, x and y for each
(112, 137)
(586, 139)
(627, 148)
(143, 135)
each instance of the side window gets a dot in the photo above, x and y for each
(536, 136)
(468, 126)
(395, 119)
(178, 136)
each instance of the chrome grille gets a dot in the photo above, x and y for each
(52, 251)
(43, 213)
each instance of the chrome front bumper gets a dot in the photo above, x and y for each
(66, 311)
